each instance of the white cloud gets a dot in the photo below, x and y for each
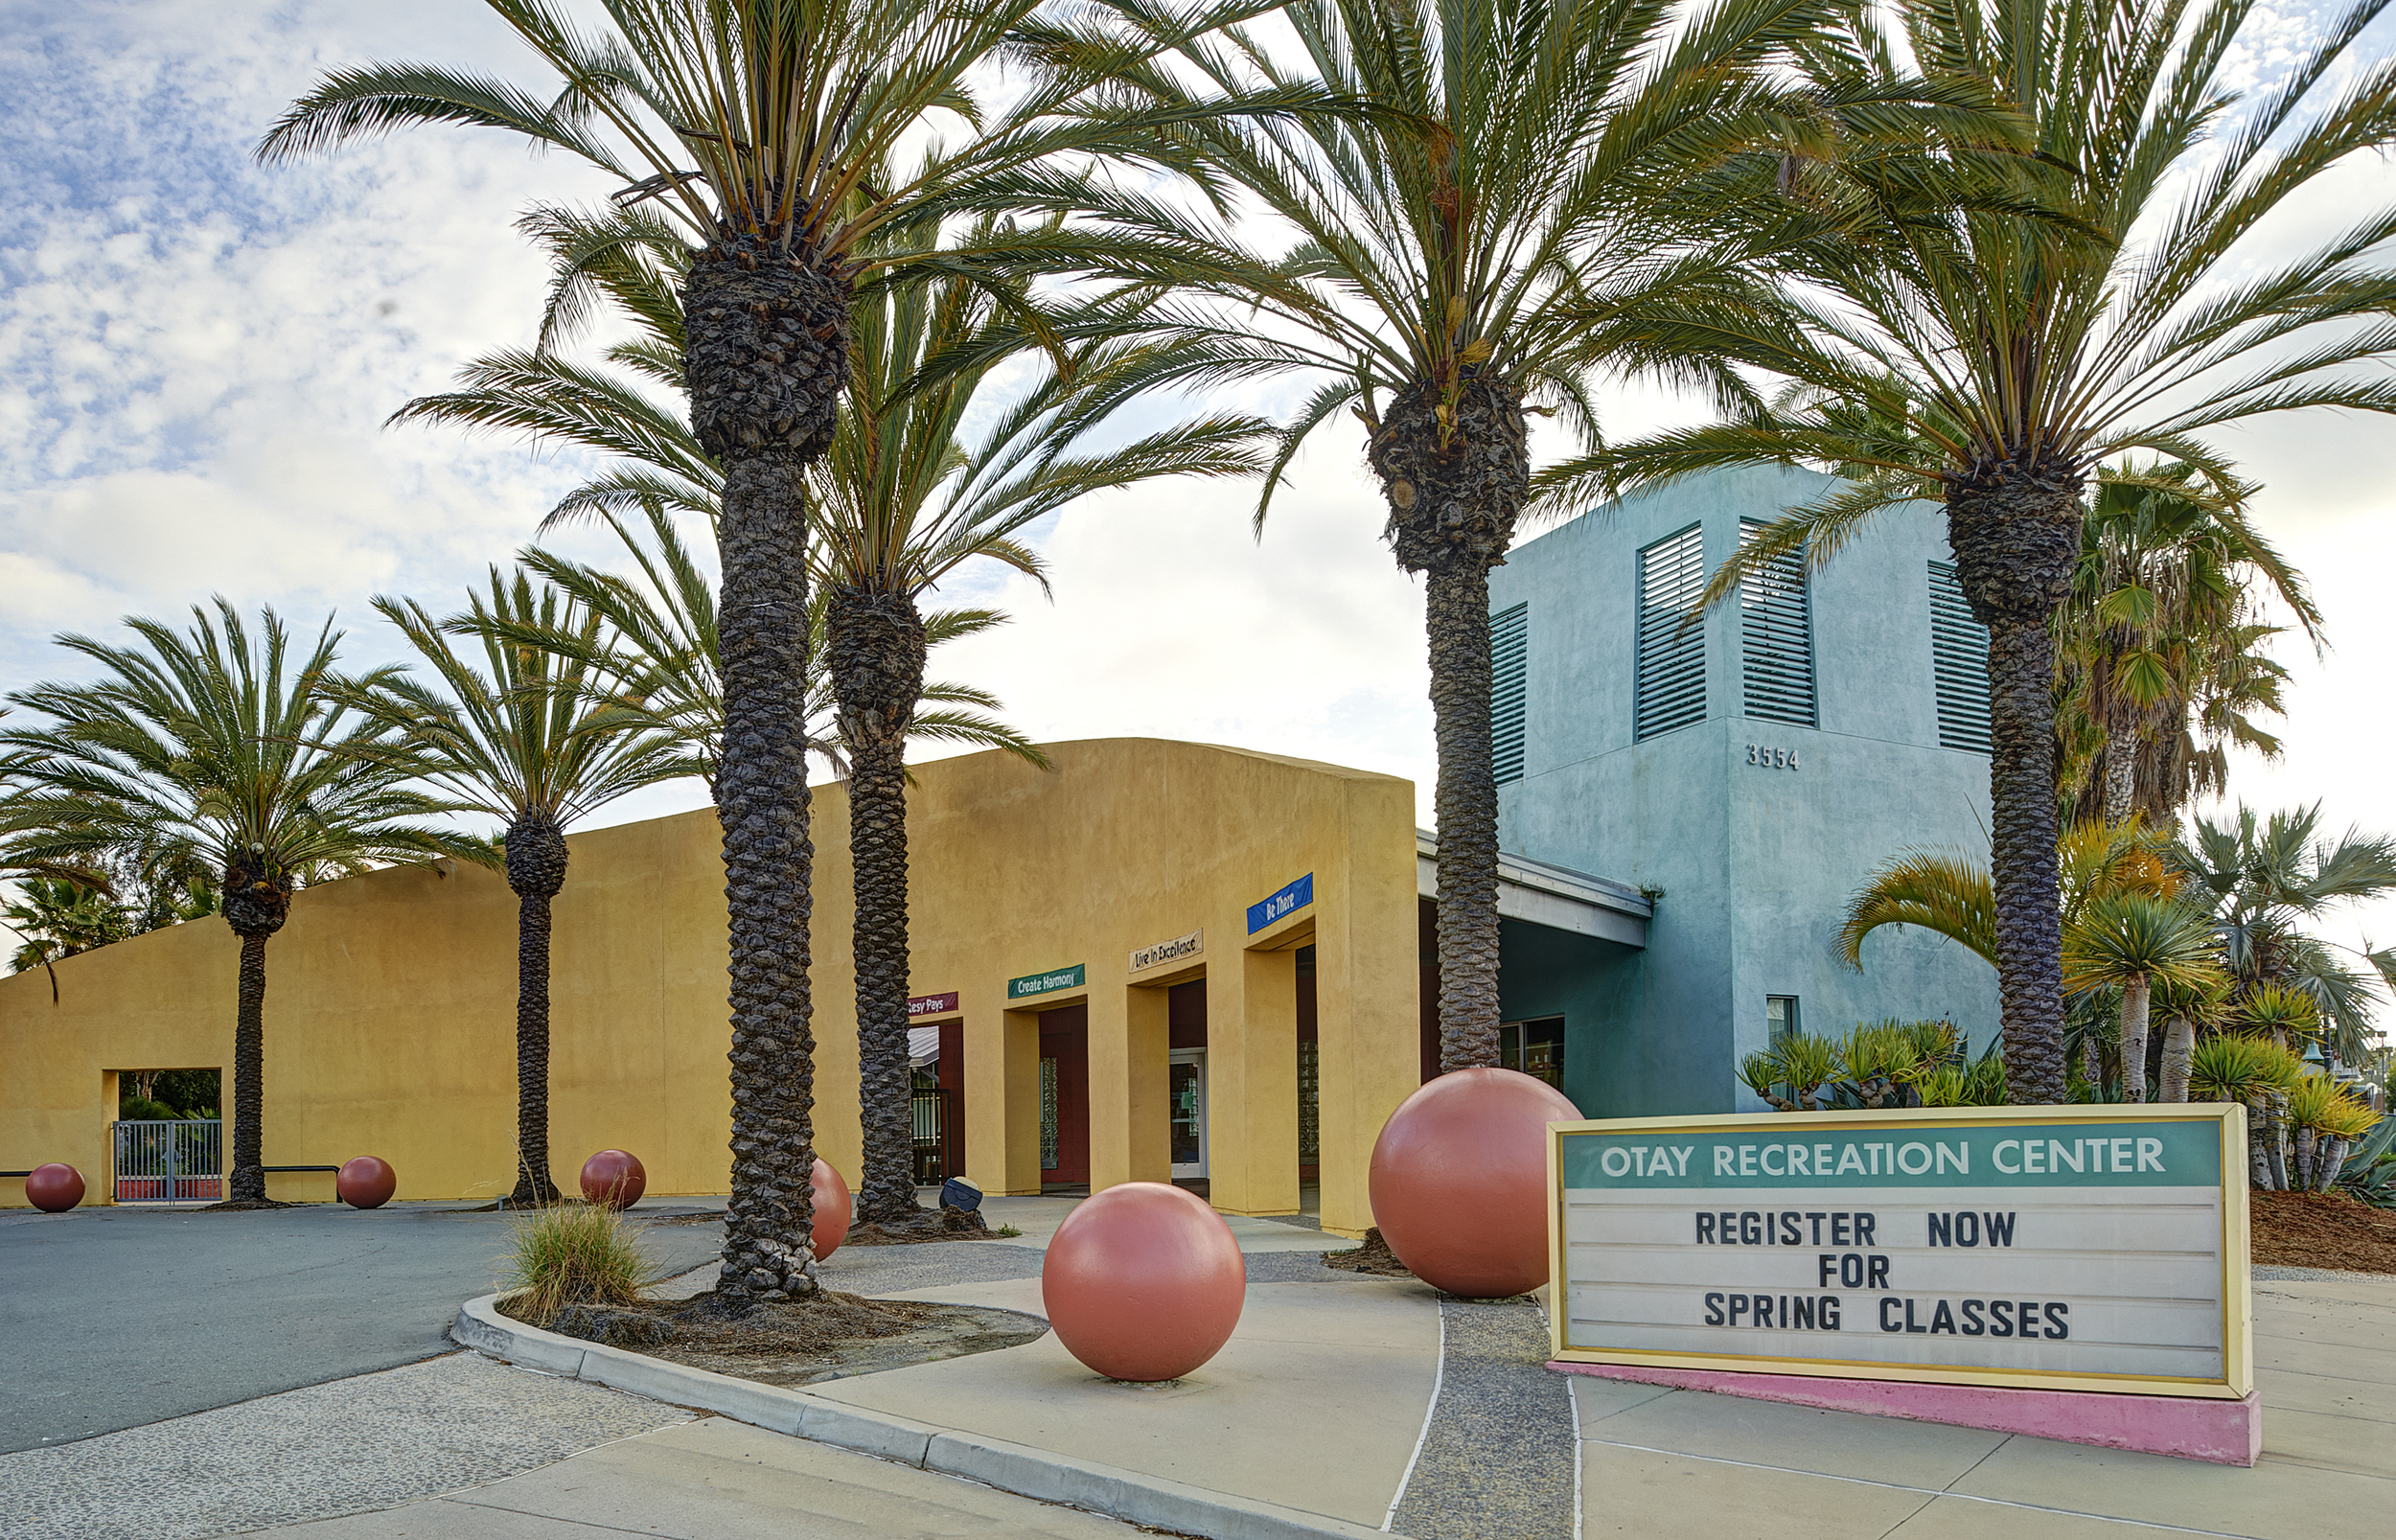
(197, 356)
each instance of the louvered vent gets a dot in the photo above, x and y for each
(1670, 690)
(1509, 649)
(1775, 637)
(1959, 657)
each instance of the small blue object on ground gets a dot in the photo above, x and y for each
(958, 1194)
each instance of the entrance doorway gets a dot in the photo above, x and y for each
(1065, 1099)
(1186, 1114)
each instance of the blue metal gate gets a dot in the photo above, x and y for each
(170, 1160)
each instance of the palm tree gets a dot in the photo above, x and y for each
(2129, 941)
(54, 917)
(1992, 358)
(1463, 262)
(759, 126)
(523, 740)
(908, 494)
(207, 747)
(2159, 664)
(2262, 880)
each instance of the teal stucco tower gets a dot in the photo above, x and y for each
(1747, 770)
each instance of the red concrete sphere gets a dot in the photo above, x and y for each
(1143, 1281)
(366, 1183)
(54, 1188)
(613, 1179)
(1460, 1180)
(832, 1209)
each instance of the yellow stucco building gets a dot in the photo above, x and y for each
(1070, 912)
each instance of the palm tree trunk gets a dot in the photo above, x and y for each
(257, 901)
(876, 659)
(2136, 996)
(2305, 1141)
(248, 1181)
(1455, 489)
(2258, 1140)
(536, 865)
(2015, 529)
(767, 353)
(2179, 1047)
(2121, 774)
(2328, 1164)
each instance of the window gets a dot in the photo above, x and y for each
(1509, 648)
(1776, 636)
(1779, 1015)
(1536, 1048)
(1959, 659)
(1670, 690)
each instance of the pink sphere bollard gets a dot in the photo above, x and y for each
(1460, 1180)
(1143, 1281)
(366, 1183)
(613, 1179)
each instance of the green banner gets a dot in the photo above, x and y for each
(1047, 983)
(2029, 1154)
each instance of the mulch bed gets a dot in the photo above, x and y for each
(829, 1337)
(2325, 1229)
(1373, 1258)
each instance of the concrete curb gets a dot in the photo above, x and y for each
(1010, 1467)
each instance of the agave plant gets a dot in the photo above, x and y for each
(2254, 1071)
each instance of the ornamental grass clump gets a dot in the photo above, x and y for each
(574, 1253)
(2256, 1071)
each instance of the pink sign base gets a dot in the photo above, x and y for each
(2226, 1433)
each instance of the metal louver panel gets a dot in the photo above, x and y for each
(1670, 686)
(1775, 637)
(1509, 648)
(1959, 658)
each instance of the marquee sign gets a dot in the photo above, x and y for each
(2067, 1248)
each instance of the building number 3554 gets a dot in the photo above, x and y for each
(1771, 758)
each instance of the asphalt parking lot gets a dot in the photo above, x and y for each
(120, 1317)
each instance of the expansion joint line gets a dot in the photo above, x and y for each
(1438, 1379)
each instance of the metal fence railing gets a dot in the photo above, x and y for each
(931, 1109)
(170, 1160)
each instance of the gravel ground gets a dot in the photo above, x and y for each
(2310, 1274)
(1500, 1454)
(354, 1444)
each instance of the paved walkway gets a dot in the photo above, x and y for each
(122, 1317)
(1369, 1402)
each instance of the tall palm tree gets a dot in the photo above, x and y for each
(1462, 262)
(208, 747)
(908, 493)
(521, 739)
(1990, 360)
(2160, 660)
(2263, 883)
(755, 125)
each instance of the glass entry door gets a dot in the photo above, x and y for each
(1186, 1111)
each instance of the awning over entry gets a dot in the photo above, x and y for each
(1556, 896)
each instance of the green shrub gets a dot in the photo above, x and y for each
(135, 1109)
(574, 1253)
(2232, 1066)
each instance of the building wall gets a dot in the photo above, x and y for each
(1752, 867)
(390, 1006)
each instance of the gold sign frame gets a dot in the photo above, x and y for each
(2237, 1379)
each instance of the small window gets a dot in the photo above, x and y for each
(1779, 1015)
(1776, 636)
(1535, 1048)
(1959, 661)
(1509, 648)
(1670, 690)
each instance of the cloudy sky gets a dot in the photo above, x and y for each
(197, 358)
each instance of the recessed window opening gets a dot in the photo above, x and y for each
(1670, 684)
(1535, 1048)
(1779, 1015)
(1776, 636)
